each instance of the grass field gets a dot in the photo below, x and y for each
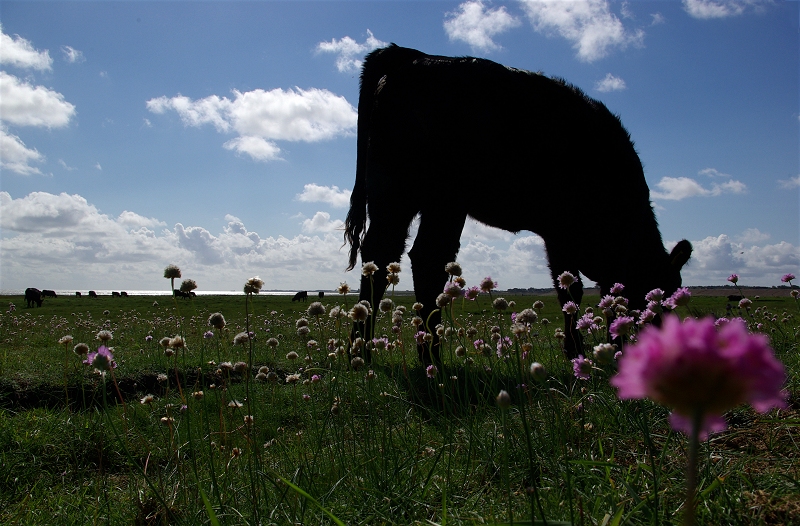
(199, 437)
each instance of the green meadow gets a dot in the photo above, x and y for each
(284, 427)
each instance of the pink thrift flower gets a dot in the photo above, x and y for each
(787, 278)
(617, 288)
(565, 279)
(452, 289)
(607, 302)
(431, 371)
(586, 323)
(582, 367)
(570, 307)
(487, 284)
(695, 369)
(102, 359)
(680, 298)
(472, 293)
(733, 278)
(654, 295)
(621, 326)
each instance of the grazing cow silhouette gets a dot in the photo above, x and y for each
(77, 294)
(321, 294)
(49, 293)
(92, 294)
(115, 294)
(124, 294)
(180, 294)
(33, 296)
(451, 138)
(301, 296)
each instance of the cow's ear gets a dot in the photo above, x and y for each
(680, 254)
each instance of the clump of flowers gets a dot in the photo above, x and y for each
(217, 320)
(565, 279)
(369, 269)
(701, 372)
(488, 284)
(102, 359)
(253, 285)
(582, 367)
(188, 285)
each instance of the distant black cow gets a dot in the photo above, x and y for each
(33, 295)
(77, 294)
(734, 297)
(123, 293)
(92, 294)
(49, 294)
(321, 294)
(180, 294)
(115, 294)
(301, 296)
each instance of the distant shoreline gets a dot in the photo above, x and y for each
(723, 290)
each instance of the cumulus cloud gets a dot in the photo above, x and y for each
(589, 24)
(677, 188)
(474, 24)
(65, 241)
(22, 104)
(16, 157)
(349, 52)
(314, 193)
(747, 254)
(72, 55)
(321, 222)
(19, 52)
(260, 118)
(610, 83)
(706, 9)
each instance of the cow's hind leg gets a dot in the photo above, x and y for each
(384, 243)
(435, 246)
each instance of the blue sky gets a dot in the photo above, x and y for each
(221, 136)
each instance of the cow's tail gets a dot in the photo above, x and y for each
(377, 65)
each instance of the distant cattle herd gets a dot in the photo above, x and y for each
(36, 296)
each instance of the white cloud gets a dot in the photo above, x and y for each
(25, 105)
(716, 257)
(98, 167)
(792, 182)
(314, 193)
(20, 53)
(677, 188)
(321, 222)
(706, 9)
(65, 166)
(657, 19)
(752, 235)
(474, 24)
(261, 117)
(349, 51)
(712, 172)
(65, 242)
(589, 24)
(256, 147)
(134, 220)
(16, 157)
(72, 55)
(610, 83)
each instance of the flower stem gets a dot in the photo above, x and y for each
(690, 505)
